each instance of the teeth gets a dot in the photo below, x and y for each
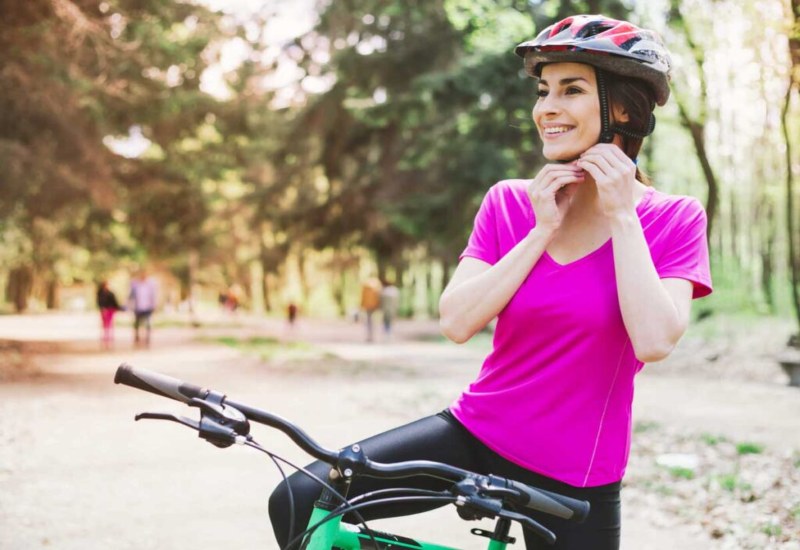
(557, 130)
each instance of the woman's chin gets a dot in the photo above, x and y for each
(560, 156)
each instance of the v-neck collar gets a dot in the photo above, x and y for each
(648, 193)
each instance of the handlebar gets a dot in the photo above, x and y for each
(524, 495)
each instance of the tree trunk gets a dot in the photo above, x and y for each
(51, 294)
(19, 286)
(793, 252)
(794, 84)
(301, 272)
(734, 232)
(767, 262)
(696, 125)
(338, 288)
(265, 289)
(445, 275)
(697, 132)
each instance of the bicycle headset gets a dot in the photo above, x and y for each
(611, 47)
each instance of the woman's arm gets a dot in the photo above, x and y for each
(655, 311)
(478, 291)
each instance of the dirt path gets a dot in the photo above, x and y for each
(76, 472)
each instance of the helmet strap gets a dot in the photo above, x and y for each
(637, 135)
(606, 132)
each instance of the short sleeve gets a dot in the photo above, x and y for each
(483, 242)
(686, 256)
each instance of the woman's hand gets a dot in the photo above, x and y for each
(551, 193)
(615, 176)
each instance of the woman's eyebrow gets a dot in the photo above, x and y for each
(565, 81)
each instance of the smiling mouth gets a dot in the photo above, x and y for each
(557, 130)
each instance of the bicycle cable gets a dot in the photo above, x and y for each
(274, 460)
(361, 521)
(407, 491)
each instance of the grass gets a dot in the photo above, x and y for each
(645, 426)
(682, 473)
(772, 529)
(264, 347)
(731, 482)
(749, 448)
(713, 440)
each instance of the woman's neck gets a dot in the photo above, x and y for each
(586, 201)
(585, 205)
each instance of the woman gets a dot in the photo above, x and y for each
(590, 273)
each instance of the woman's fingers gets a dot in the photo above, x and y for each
(551, 187)
(610, 159)
(606, 166)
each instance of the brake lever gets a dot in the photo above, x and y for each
(530, 524)
(171, 417)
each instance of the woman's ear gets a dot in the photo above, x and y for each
(619, 114)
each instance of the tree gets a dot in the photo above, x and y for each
(792, 89)
(71, 73)
(696, 123)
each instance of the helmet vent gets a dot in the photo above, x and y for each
(594, 28)
(628, 44)
(565, 24)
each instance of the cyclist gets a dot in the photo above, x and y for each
(590, 273)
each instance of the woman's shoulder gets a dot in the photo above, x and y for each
(510, 190)
(662, 204)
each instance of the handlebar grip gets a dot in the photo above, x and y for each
(158, 384)
(553, 503)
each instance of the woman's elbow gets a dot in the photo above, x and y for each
(453, 331)
(654, 351)
(653, 354)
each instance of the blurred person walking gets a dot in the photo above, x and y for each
(109, 306)
(142, 300)
(370, 302)
(390, 300)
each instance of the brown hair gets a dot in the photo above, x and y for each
(638, 100)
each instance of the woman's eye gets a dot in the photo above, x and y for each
(574, 90)
(541, 93)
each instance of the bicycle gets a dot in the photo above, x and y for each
(224, 422)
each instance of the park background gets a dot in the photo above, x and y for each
(294, 148)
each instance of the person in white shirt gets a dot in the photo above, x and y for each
(142, 300)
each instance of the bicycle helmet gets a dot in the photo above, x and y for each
(610, 46)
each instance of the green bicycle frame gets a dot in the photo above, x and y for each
(336, 534)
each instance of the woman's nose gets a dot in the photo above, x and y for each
(545, 106)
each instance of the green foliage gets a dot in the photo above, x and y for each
(641, 426)
(267, 348)
(772, 529)
(749, 448)
(424, 107)
(713, 440)
(682, 473)
(731, 482)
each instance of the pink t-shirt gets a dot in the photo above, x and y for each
(555, 393)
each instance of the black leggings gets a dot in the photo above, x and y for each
(443, 439)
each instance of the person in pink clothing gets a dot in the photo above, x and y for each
(590, 273)
(108, 305)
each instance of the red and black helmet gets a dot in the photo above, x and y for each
(617, 47)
